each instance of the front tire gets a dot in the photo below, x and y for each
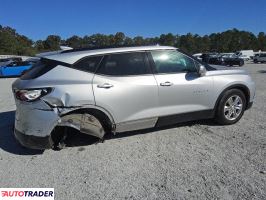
(231, 107)
(241, 63)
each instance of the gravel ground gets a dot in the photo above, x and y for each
(198, 160)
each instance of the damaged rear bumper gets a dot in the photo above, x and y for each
(34, 123)
(33, 142)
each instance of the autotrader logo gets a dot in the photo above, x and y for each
(27, 193)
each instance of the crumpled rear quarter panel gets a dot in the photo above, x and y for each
(35, 118)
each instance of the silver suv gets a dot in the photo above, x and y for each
(123, 89)
(260, 58)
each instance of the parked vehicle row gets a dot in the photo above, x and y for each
(7, 61)
(221, 59)
(231, 59)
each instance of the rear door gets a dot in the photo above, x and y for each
(125, 86)
(181, 89)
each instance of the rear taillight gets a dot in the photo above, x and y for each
(30, 95)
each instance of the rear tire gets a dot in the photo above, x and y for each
(231, 107)
(58, 136)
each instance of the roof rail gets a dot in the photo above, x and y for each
(102, 47)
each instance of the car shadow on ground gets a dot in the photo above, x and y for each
(76, 139)
(8, 142)
(262, 71)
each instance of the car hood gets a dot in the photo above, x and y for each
(222, 70)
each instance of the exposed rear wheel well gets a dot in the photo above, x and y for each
(59, 132)
(100, 115)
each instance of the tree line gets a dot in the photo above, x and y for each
(232, 40)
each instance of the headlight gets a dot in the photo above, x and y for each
(30, 95)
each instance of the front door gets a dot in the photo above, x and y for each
(181, 89)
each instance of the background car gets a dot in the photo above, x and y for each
(5, 61)
(244, 57)
(198, 56)
(245, 54)
(14, 69)
(232, 60)
(222, 59)
(260, 58)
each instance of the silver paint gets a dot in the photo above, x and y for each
(130, 102)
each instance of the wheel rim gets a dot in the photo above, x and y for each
(233, 107)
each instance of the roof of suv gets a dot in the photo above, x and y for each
(73, 56)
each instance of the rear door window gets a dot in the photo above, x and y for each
(125, 64)
(88, 64)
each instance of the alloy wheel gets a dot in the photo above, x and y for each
(233, 107)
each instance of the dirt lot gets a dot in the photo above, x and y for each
(189, 161)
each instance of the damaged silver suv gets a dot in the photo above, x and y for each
(115, 90)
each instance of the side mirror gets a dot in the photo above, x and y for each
(202, 70)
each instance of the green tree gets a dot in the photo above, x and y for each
(262, 41)
(74, 42)
(138, 41)
(52, 43)
(119, 38)
(167, 39)
(228, 41)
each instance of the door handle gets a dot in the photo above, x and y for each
(167, 83)
(105, 85)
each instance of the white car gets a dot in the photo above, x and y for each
(198, 56)
(247, 53)
(244, 57)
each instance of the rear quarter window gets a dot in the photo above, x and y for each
(40, 68)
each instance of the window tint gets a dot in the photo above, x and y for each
(125, 64)
(40, 68)
(88, 64)
(172, 62)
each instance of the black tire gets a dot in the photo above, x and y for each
(241, 63)
(255, 61)
(220, 117)
(57, 137)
